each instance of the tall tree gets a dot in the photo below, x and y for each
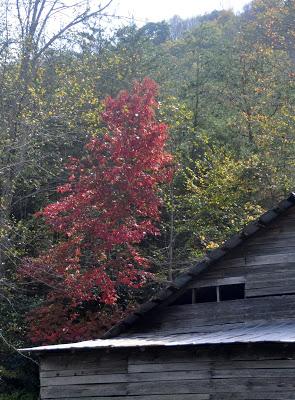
(110, 204)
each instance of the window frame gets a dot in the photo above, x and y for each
(236, 280)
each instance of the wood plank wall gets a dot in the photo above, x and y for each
(262, 372)
(209, 317)
(266, 261)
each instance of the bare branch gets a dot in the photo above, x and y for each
(20, 18)
(8, 344)
(46, 18)
(77, 20)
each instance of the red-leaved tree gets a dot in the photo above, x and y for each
(109, 204)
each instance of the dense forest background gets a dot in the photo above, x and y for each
(227, 94)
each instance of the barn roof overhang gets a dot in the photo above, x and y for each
(247, 333)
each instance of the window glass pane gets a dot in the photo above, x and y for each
(232, 292)
(205, 294)
(209, 294)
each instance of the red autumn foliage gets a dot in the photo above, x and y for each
(109, 204)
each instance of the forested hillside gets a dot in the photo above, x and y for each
(223, 125)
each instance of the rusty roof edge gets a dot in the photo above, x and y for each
(212, 257)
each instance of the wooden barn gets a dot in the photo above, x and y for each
(224, 330)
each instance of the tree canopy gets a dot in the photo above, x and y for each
(110, 187)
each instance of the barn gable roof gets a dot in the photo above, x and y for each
(173, 290)
(164, 296)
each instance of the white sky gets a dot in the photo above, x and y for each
(158, 10)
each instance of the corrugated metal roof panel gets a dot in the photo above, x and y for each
(275, 331)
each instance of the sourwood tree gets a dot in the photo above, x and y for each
(108, 206)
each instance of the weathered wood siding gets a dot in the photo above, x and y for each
(218, 373)
(266, 261)
(210, 317)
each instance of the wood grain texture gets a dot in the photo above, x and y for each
(266, 261)
(237, 372)
(210, 317)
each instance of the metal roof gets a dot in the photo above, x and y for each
(258, 332)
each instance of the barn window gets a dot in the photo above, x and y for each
(209, 294)
(205, 294)
(232, 292)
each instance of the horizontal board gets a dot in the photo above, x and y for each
(228, 271)
(207, 386)
(271, 241)
(76, 367)
(254, 353)
(155, 397)
(100, 360)
(253, 373)
(197, 365)
(249, 395)
(270, 291)
(81, 391)
(216, 282)
(132, 377)
(213, 386)
(267, 259)
(277, 277)
(220, 396)
(216, 365)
